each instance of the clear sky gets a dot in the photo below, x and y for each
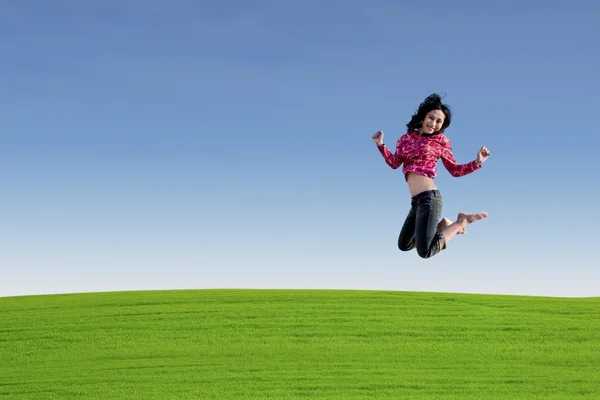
(227, 144)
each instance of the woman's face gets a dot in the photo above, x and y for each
(433, 121)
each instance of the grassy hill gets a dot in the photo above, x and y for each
(298, 344)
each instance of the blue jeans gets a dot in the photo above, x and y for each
(420, 227)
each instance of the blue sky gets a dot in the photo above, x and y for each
(227, 144)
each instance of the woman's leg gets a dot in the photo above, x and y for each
(406, 239)
(446, 222)
(462, 221)
(428, 240)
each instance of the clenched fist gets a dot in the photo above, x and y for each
(483, 155)
(378, 138)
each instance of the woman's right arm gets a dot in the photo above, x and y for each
(393, 160)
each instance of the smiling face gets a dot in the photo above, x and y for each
(433, 121)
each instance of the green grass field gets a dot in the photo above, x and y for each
(294, 344)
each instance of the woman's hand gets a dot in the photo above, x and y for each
(378, 138)
(483, 155)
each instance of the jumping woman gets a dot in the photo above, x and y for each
(419, 149)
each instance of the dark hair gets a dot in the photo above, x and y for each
(432, 102)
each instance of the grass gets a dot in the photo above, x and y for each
(294, 344)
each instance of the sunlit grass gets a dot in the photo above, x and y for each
(269, 344)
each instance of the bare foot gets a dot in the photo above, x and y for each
(446, 222)
(470, 218)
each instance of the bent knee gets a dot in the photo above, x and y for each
(424, 253)
(404, 246)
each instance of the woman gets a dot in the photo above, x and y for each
(419, 149)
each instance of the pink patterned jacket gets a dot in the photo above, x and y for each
(419, 154)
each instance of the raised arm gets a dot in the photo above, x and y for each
(393, 160)
(455, 168)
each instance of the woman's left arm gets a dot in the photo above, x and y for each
(457, 169)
